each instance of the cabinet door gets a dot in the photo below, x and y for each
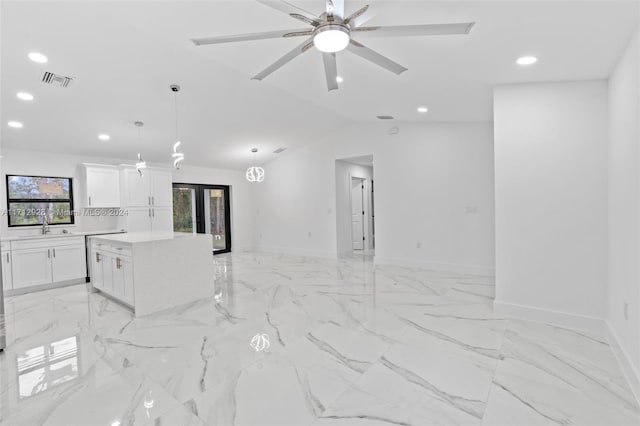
(97, 273)
(103, 186)
(127, 277)
(69, 262)
(118, 278)
(162, 219)
(138, 219)
(7, 283)
(138, 188)
(108, 265)
(161, 188)
(31, 267)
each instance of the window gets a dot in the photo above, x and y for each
(31, 198)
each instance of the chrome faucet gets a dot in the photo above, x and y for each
(45, 225)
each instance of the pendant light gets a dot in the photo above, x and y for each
(255, 174)
(177, 156)
(140, 164)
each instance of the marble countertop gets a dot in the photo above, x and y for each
(59, 235)
(145, 237)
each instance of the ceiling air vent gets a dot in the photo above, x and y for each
(59, 80)
(279, 150)
(384, 117)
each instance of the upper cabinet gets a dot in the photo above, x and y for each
(102, 186)
(152, 189)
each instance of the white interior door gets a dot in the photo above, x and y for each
(357, 213)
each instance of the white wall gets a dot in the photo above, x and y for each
(44, 163)
(425, 178)
(344, 172)
(551, 198)
(624, 209)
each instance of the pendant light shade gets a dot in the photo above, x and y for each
(255, 174)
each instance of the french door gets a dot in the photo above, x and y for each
(203, 209)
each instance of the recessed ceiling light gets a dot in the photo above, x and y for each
(15, 124)
(25, 96)
(38, 57)
(423, 109)
(339, 79)
(527, 60)
(104, 137)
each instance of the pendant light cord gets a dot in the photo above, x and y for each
(175, 99)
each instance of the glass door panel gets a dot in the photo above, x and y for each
(184, 209)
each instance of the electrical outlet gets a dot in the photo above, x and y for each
(626, 311)
(418, 245)
(309, 234)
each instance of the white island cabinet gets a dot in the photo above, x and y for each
(151, 271)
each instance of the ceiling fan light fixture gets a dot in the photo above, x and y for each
(331, 38)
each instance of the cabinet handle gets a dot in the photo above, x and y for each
(7, 257)
(49, 253)
(153, 200)
(149, 211)
(97, 257)
(89, 199)
(153, 212)
(54, 252)
(149, 200)
(118, 264)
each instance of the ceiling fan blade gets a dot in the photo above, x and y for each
(372, 56)
(288, 8)
(298, 50)
(253, 36)
(335, 8)
(356, 19)
(330, 70)
(415, 30)
(313, 22)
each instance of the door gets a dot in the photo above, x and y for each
(161, 194)
(357, 213)
(97, 273)
(126, 272)
(138, 189)
(31, 267)
(103, 186)
(162, 219)
(139, 219)
(6, 270)
(68, 262)
(203, 209)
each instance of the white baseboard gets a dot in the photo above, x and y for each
(630, 372)
(548, 316)
(438, 266)
(297, 252)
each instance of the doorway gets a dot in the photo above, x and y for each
(203, 209)
(354, 206)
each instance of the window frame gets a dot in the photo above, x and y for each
(39, 200)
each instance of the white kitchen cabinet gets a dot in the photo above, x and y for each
(102, 186)
(48, 260)
(31, 266)
(66, 263)
(112, 271)
(148, 200)
(7, 279)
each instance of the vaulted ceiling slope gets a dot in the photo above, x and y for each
(124, 54)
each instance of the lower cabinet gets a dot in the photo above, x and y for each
(112, 272)
(7, 279)
(44, 261)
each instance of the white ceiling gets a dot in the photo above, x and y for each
(124, 55)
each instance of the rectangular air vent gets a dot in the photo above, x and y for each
(279, 150)
(59, 80)
(384, 117)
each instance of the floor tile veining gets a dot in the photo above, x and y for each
(349, 343)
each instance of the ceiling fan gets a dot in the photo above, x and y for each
(332, 32)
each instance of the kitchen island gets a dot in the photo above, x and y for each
(151, 271)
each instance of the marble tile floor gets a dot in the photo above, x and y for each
(348, 344)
